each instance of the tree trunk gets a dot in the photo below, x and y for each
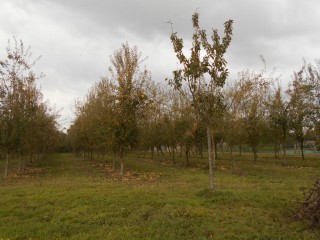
(152, 151)
(20, 164)
(187, 156)
(301, 147)
(122, 163)
(221, 146)
(169, 150)
(6, 167)
(231, 156)
(230, 149)
(276, 150)
(255, 154)
(211, 159)
(173, 156)
(161, 151)
(240, 150)
(114, 162)
(284, 144)
(284, 147)
(215, 149)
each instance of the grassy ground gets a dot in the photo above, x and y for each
(64, 197)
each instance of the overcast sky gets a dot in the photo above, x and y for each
(76, 37)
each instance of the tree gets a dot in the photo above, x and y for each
(130, 97)
(253, 89)
(24, 117)
(302, 110)
(204, 77)
(152, 128)
(314, 80)
(233, 121)
(278, 120)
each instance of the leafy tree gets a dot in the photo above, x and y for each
(25, 120)
(314, 80)
(301, 106)
(253, 89)
(278, 120)
(152, 128)
(204, 76)
(130, 96)
(233, 119)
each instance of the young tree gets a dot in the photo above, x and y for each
(278, 119)
(130, 97)
(204, 76)
(253, 89)
(302, 110)
(314, 81)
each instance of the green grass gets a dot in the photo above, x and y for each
(70, 198)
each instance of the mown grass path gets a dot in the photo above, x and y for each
(65, 197)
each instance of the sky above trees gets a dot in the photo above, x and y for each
(75, 38)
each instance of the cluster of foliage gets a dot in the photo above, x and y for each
(28, 126)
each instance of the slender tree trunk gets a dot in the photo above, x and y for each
(173, 157)
(161, 151)
(276, 150)
(6, 167)
(301, 147)
(169, 150)
(114, 162)
(211, 159)
(215, 149)
(240, 150)
(255, 154)
(231, 156)
(221, 147)
(284, 142)
(20, 163)
(230, 149)
(152, 152)
(145, 152)
(284, 147)
(187, 156)
(122, 164)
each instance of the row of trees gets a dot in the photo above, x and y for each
(127, 110)
(28, 127)
(256, 111)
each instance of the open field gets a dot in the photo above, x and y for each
(64, 197)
